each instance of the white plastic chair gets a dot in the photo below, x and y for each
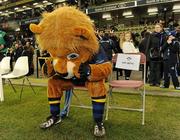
(21, 69)
(5, 65)
(4, 69)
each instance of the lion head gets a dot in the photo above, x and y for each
(68, 35)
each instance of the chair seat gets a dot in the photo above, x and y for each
(14, 75)
(4, 71)
(126, 84)
(5, 65)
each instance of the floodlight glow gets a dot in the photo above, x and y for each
(176, 8)
(152, 10)
(127, 13)
(106, 15)
(129, 16)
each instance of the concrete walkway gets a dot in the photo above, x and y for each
(154, 91)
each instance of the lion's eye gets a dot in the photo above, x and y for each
(72, 56)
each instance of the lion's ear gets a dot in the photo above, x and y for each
(82, 32)
(35, 28)
(45, 14)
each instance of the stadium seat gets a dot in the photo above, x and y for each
(20, 70)
(4, 69)
(5, 65)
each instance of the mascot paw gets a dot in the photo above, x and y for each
(84, 70)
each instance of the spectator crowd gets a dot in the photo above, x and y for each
(160, 45)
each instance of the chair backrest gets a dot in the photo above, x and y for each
(21, 66)
(143, 58)
(5, 65)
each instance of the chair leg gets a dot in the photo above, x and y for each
(107, 102)
(81, 104)
(12, 85)
(143, 106)
(68, 97)
(117, 75)
(22, 88)
(30, 85)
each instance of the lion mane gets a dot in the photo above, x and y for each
(65, 28)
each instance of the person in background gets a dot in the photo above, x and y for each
(143, 32)
(144, 46)
(178, 39)
(99, 37)
(178, 33)
(3, 47)
(127, 46)
(14, 52)
(116, 43)
(170, 59)
(108, 45)
(2, 51)
(43, 54)
(158, 38)
(28, 50)
(135, 39)
(101, 33)
(17, 52)
(116, 49)
(162, 22)
(170, 23)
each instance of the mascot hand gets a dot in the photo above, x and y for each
(47, 68)
(84, 71)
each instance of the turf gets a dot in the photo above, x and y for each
(19, 120)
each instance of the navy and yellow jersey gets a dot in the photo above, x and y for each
(99, 58)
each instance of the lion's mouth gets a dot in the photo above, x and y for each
(70, 73)
(62, 74)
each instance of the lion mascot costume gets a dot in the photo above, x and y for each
(76, 58)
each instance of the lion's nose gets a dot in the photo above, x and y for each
(62, 74)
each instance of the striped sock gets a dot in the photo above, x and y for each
(98, 108)
(54, 106)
